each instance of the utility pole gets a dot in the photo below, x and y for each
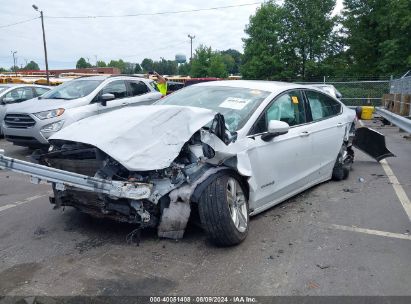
(191, 43)
(14, 62)
(44, 43)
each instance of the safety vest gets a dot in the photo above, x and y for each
(162, 87)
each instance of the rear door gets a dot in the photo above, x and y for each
(327, 129)
(140, 93)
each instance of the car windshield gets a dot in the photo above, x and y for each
(2, 88)
(72, 89)
(236, 104)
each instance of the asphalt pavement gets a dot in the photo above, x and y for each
(338, 238)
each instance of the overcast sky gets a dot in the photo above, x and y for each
(129, 38)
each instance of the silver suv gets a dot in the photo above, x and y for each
(32, 122)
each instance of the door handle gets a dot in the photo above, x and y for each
(124, 104)
(304, 134)
(340, 124)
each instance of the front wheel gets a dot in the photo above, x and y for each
(223, 209)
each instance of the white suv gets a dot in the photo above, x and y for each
(32, 122)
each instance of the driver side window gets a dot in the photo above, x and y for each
(117, 88)
(18, 95)
(288, 107)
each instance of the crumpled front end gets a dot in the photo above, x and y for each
(151, 198)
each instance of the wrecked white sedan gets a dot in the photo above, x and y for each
(222, 150)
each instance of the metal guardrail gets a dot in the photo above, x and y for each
(400, 121)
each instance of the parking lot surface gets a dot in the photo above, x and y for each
(338, 238)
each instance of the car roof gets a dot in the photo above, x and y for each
(104, 77)
(18, 85)
(270, 86)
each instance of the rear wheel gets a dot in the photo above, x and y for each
(223, 210)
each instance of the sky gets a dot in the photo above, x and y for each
(129, 38)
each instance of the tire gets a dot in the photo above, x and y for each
(343, 163)
(223, 210)
(338, 170)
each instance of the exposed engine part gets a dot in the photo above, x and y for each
(139, 208)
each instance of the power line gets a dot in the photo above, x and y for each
(153, 14)
(20, 22)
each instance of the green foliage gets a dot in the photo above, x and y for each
(209, 63)
(378, 35)
(3, 70)
(200, 63)
(82, 63)
(165, 67)
(147, 64)
(236, 55)
(32, 66)
(290, 40)
(184, 69)
(137, 68)
(101, 64)
(120, 64)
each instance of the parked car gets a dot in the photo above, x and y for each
(330, 89)
(32, 123)
(15, 93)
(221, 150)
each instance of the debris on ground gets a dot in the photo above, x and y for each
(361, 180)
(322, 266)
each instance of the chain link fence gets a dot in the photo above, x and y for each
(359, 92)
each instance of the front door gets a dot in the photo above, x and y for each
(119, 89)
(283, 165)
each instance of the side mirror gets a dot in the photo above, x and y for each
(275, 128)
(7, 100)
(106, 97)
(338, 95)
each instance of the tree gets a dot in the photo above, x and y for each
(184, 69)
(101, 64)
(32, 66)
(147, 64)
(290, 40)
(217, 67)
(82, 63)
(378, 35)
(236, 55)
(263, 49)
(165, 67)
(3, 70)
(200, 63)
(120, 64)
(137, 68)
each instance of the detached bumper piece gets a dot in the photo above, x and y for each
(63, 179)
(372, 143)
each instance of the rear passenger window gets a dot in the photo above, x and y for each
(322, 106)
(138, 88)
(117, 88)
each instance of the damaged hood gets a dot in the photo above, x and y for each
(38, 105)
(140, 138)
